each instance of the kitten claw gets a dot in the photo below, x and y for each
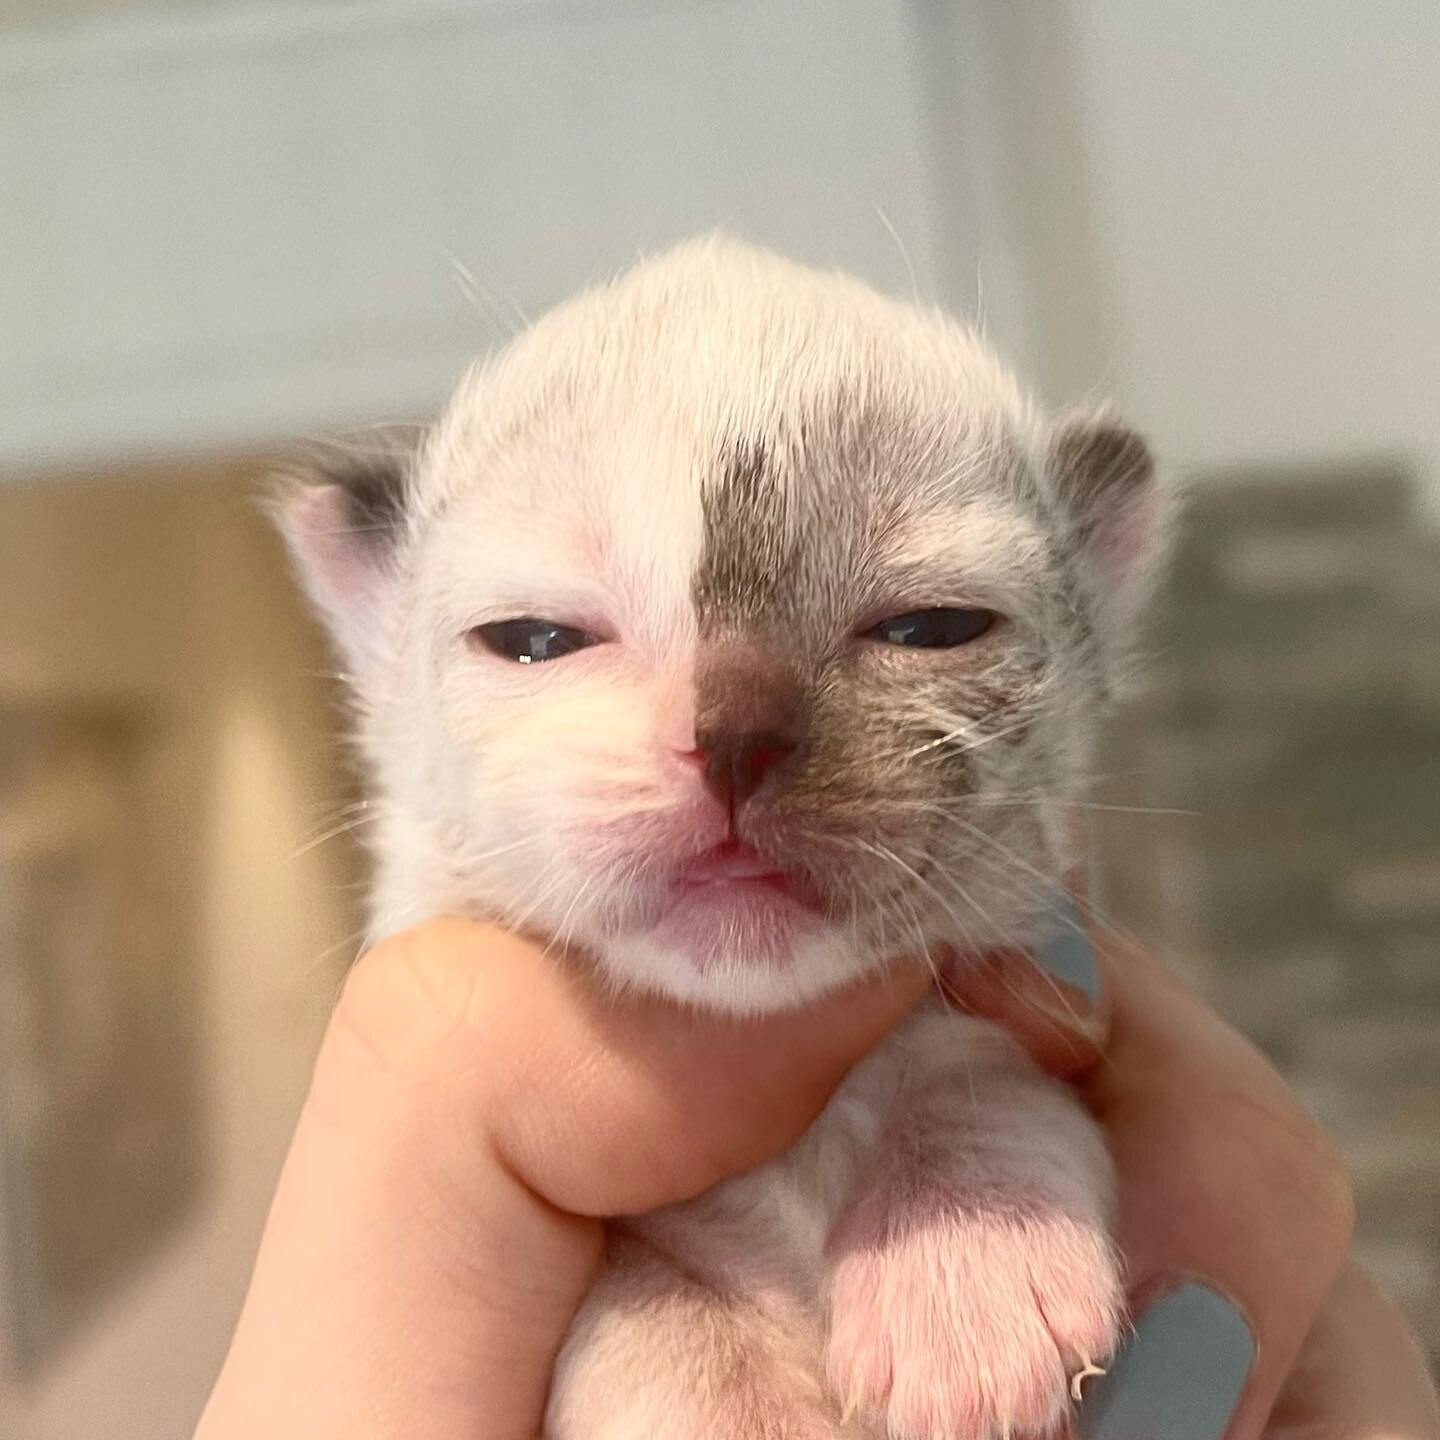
(1087, 1372)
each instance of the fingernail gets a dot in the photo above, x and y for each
(1064, 948)
(1178, 1377)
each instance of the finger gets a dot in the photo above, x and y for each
(1049, 999)
(611, 1107)
(1234, 1217)
(1361, 1374)
(407, 1284)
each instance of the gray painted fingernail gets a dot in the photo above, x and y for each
(1064, 949)
(1178, 1377)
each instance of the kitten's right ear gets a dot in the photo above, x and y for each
(1104, 478)
(343, 518)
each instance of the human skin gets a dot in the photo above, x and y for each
(477, 1105)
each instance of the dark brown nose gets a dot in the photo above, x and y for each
(736, 763)
(747, 718)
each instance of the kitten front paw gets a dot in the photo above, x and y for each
(966, 1326)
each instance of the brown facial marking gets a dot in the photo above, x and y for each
(748, 550)
(786, 527)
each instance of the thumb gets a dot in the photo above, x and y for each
(1050, 1000)
(475, 1106)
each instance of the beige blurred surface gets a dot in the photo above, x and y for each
(162, 596)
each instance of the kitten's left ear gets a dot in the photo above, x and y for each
(1104, 479)
(343, 517)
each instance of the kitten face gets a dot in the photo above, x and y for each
(830, 613)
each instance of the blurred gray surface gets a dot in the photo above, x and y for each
(1292, 706)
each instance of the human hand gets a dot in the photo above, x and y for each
(1235, 1216)
(475, 1107)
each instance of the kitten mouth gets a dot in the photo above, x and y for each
(730, 860)
(739, 868)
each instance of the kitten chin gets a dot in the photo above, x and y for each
(763, 961)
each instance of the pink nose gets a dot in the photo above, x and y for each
(736, 762)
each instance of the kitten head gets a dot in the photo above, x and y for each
(737, 626)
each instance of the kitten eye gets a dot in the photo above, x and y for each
(934, 629)
(528, 641)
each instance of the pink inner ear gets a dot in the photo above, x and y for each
(1129, 536)
(343, 568)
(1107, 477)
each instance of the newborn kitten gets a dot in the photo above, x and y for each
(742, 629)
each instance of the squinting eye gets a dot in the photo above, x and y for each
(529, 641)
(934, 629)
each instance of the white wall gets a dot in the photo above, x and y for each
(1266, 183)
(231, 222)
(234, 224)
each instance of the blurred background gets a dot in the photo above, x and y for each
(225, 225)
